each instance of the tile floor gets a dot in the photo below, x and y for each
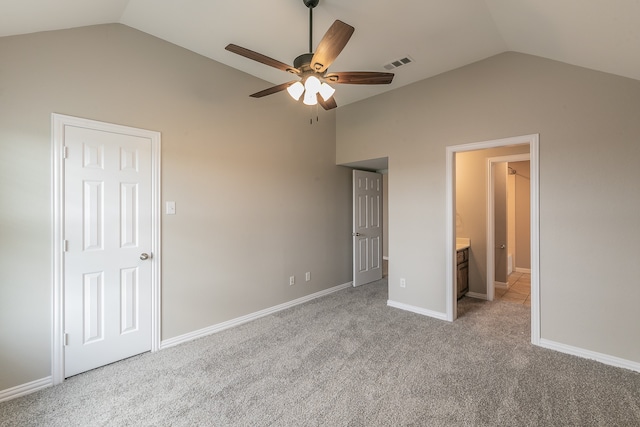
(519, 290)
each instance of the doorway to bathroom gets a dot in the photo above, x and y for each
(464, 160)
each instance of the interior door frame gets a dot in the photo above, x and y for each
(491, 237)
(533, 141)
(58, 124)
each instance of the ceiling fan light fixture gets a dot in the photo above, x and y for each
(296, 90)
(312, 85)
(310, 98)
(326, 91)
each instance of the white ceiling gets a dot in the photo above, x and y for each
(439, 35)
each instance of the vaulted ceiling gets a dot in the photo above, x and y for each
(438, 35)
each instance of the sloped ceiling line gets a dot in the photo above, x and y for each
(439, 35)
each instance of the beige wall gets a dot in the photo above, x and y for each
(588, 123)
(471, 207)
(258, 195)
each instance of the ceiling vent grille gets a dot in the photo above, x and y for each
(398, 63)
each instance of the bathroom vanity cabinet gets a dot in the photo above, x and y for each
(462, 267)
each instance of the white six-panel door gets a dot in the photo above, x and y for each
(107, 232)
(367, 227)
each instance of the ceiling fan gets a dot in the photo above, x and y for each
(312, 68)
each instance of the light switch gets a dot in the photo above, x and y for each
(171, 208)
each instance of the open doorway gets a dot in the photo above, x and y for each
(509, 228)
(509, 212)
(484, 247)
(379, 166)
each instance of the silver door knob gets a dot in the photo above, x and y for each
(356, 234)
(502, 246)
(144, 256)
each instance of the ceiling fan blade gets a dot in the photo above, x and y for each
(271, 90)
(334, 40)
(327, 105)
(360, 78)
(261, 58)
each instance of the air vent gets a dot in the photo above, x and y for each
(398, 63)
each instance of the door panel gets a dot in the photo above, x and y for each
(129, 291)
(93, 307)
(367, 227)
(375, 252)
(107, 225)
(129, 215)
(93, 215)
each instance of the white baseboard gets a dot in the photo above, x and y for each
(247, 318)
(418, 310)
(501, 285)
(476, 295)
(21, 390)
(523, 270)
(588, 354)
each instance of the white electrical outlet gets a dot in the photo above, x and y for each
(307, 276)
(403, 283)
(292, 280)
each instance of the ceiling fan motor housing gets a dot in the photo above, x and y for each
(311, 3)
(303, 62)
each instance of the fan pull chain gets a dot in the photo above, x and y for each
(311, 115)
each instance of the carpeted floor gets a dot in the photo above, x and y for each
(348, 360)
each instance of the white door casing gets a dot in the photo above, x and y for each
(451, 303)
(106, 205)
(367, 227)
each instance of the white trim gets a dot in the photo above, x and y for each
(27, 388)
(588, 354)
(476, 295)
(57, 262)
(523, 270)
(534, 172)
(491, 243)
(501, 285)
(181, 339)
(533, 141)
(156, 240)
(451, 304)
(419, 310)
(58, 123)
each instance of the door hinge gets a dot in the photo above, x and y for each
(65, 152)
(65, 339)
(65, 245)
